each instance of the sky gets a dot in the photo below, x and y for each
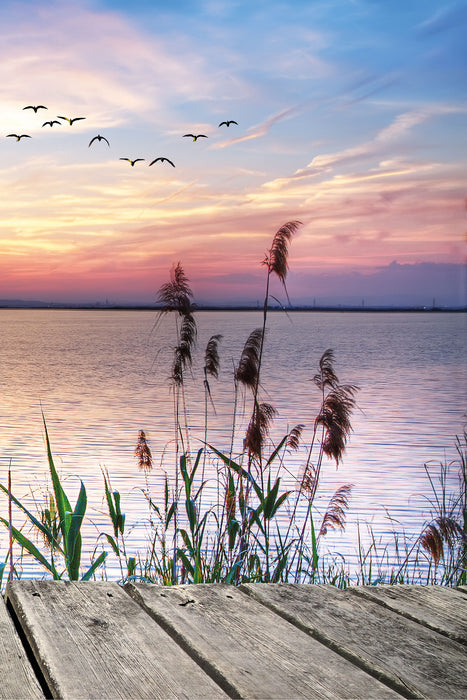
(351, 118)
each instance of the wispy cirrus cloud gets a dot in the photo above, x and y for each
(259, 130)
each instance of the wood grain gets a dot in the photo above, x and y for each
(437, 607)
(91, 640)
(417, 661)
(252, 652)
(17, 679)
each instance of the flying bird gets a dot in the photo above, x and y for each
(19, 136)
(162, 160)
(51, 123)
(35, 108)
(229, 122)
(70, 121)
(132, 162)
(197, 136)
(99, 138)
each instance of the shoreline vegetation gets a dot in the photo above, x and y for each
(252, 529)
(31, 305)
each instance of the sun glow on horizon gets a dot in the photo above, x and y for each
(373, 166)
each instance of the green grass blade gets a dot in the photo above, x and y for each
(233, 465)
(185, 561)
(73, 545)
(37, 523)
(63, 504)
(112, 543)
(99, 561)
(275, 452)
(31, 548)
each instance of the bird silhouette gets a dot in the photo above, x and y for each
(70, 121)
(229, 122)
(35, 108)
(162, 160)
(197, 136)
(132, 162)
(51, 123)
(19, 136)
(99, 138)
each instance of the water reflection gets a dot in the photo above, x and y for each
(101, 376)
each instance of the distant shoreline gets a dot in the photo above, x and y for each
(32, 306)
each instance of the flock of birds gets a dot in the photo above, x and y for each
(99, 138)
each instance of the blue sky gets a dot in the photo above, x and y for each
(351, 118)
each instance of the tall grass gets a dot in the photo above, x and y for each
(262, 524)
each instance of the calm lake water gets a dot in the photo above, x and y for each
(101, 376)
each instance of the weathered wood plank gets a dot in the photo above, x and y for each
(393, 648)
(253, 652)
(17, 677)
(91, 640)
(437, 607)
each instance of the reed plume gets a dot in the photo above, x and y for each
(334, 416)
(326, 377)
(211, 356)
(183, 353)
(307, 481)
(293, 438)
(176, 295)
(247, 372)
(443, 530)
(143, 452)
(258, 429)
(276, 259)
(334, 517)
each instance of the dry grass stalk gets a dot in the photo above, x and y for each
(143, 452)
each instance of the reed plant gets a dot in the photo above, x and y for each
(240, 537)
(263, 523)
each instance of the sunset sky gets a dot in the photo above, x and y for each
(351, 118)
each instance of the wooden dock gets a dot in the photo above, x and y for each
(99, 640)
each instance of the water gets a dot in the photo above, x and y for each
(101, 376)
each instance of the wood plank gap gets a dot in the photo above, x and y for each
(360, 592)
(184, 644)
(389, 680)
(29, 652)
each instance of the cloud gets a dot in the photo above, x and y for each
(444, 284)
(263, 128)
(78, 58)
(444, 19)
